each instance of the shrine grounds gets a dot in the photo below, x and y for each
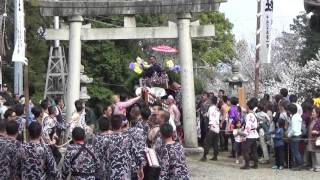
(226, 169)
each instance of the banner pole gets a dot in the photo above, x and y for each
(258, 45)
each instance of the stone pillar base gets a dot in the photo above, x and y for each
(193, 151)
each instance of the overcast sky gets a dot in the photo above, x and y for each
(242, 13)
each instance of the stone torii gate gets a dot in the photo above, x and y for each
(184, 31)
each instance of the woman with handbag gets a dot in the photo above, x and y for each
(314, 140)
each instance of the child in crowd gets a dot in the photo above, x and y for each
(239, 138)
(279, 145)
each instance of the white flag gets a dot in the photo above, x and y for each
(266, 28)
(19, 45)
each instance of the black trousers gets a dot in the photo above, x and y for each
(249, 150)
(211, 140)
(224, 137)
(233, 154)
(204, 127)
(288, 155)
(279, 155)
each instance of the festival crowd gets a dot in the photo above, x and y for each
(131, 140)
(280, 127)
(134, 139)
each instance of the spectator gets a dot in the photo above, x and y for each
(233, 116)
(307, 108)
(239, 139)
(263, 128)
(250, 144)
(279, 145)
(284, 93)
(294, 133)
(220, 94)
(212, 137)
(313, 134)
(205, 104)
(224, 136)
(174, 111)
(294, 100)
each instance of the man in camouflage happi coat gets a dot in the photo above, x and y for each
(142, 122)
(101, 143)
(171, 157)
(123, 151)
(137, 136)
(8, 154)
(35, 160)
(81, 159)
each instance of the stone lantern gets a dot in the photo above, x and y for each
(235, 80)
(84, 80)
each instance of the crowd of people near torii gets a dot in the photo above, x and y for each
(123, 144)
(131, 136)
(282, 126)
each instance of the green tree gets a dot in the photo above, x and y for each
(310, 38)
(219, 48)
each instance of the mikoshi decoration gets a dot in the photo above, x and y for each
(139, 65)
(316, 101)
(171, 66)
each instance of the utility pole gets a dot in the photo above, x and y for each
(258, 45)
(18, 66)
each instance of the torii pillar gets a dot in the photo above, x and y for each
(73, 81)
(187, 81)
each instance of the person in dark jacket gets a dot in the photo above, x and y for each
(279, 145)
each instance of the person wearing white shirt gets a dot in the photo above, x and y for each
(294, 99)
(294, 134)
(212, 137)
(250, 144)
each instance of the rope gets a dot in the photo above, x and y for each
(286, 138)
(62, 145)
